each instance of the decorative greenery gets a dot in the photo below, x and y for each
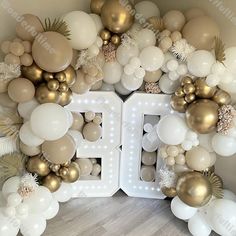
(219, 50)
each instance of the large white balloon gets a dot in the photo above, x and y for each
(49, 121)
(205, 141)
(152, 58)
(2, 200)
(10, 186)
(131, 82)
(25, 109)
(230, 61)
(52, 211)
(125, 53)
(28, 137)
(121, 89)
(145, 38)
(64, 193)
(39, 201)
(228, 195)
(172, 130)
(82, 29)
(200, 63)
(98, 22)
(167, 85)
(224, 145)
(146, 9)
(33, 225)
(221, 215)
(107, 87)
(112, 72)
(229, 87)
(181, 210)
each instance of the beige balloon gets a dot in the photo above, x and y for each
(92, 132)
(21, 90)
(78, 121)
(174, 20)
(193, 13)
(198, 159)
(11, 59)
(85, 166)
(6, 101)
(30, 151)
(152, 77)
(200, 32)
(4, 85)
(59, 151)
(29, 27)
(80, 86)
(149, 158)
(96, 170)
(147, 173)
(55, 54)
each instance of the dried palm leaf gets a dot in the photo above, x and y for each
(219, 50)
(8, 145)
(156, 24)
(11, 165)
(58, 25)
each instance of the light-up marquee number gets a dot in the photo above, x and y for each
(106, 148)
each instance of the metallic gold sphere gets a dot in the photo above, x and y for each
(48, 76)
(63, 171)
(67, 164)
(202, 116)
(117, 17)
(178, 104)
(63, 87)
(169, 192)
(33, 73)
(115, 39)
(190, 97)
(44, 95)
(53, 85)
(72, 174)
(70, 75)
(96, 6)
(55, 167)
(52, 182)
(65, 98)
(186, 80)
(179, 92)
(105, 42)
(194, 189)
(38, 166)
(60, 76)
(203, 90)
(188, 88)
(221, 97)
(105, 34)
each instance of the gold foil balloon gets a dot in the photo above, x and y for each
(203, 90)
(96, 6)
(116, 40)
(194, 189)
(202, 116)
(38, 166)
(44, 95)
(222, 97)
(178, 103)
(53, 85)
(29, 27)
(200, 32)
(117, 16)
(55, 54)
(169, 192)
(65, 98)
(33, 73)
(52, 182)
(72, 174)
(70, 75)
(61, 77)
(48, 76)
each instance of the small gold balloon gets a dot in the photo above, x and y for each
(203, 90)
(105, 42)
(194, 189)
(221, 97)
(67, 164)
(33, 73)
(190, 97)
(70, 75)
(115, 39)
(65, 98)
(53, 85)
(63, 172)
(169, 192)
(186, 80)
(202, 116)
(63, 87)
(117, 17)
(179, 92)
(72, 174)
(178, 104)
(48, 76)
(52, 182)
(105, 34)
(188, 88)
(96, 6)
(38, 166)
(61, 77)
(44, 95)
(55, 167)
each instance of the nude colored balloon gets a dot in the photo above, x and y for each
(6, 101)
(174, 20)
(21, 90)
(78, 121)
(200, 32)
(193, 13)
(92, 132)
(55, 54)
(85, 166)
(80, 86)
(30, 151)
(59, 151)
(29, 27)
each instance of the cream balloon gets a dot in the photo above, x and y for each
(98, 22)
(229, 87)
(230, 59)
(29, 150)
(85, 165)
(64, 193)
(121, 89)
(146, 9)
(131, 82)
(112, 72)
(145, 38)
(11, 186)
(174, 20)
(107, 87)
(82, 28)
(167, 85)
(125, 53)
(52, 210)
(25, 109)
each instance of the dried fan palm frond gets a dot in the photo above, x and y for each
(58, 25)
(7, 145)
(219, 50)
(156, 24)
(11, 165)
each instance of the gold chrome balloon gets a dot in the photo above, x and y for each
(194, 189)
(116, 16)
(53, 85)
(190, 97)
(70, 75)
(52, 182)
(72, 174)
(178, 104)
(203, 90)
(186, 80)
(38, 166)
(222, 97)
(96, 6)
(44, 95)
(179, 92)
(105, 34)
(33, 73)
(115, 39)
(63, 87)
(169, 192)
(202, 116)
(65, 98)
(61, 77)
(48, 76)
(188, 88)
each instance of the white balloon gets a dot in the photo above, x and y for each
(11, 186)
(150, 146)
(152, 58)
(77, 137)
(172, 130)
(83, 31)
(182, 210)
(9, 211)
(25, 109)
(224, 145)
(228, 195)
(49, 121)
(198, 226)
(131, 82)
(22, 210)
(28, 137)
(39, 201)
(200, 63)
(167, 85)
(107, 87)
(33, 225)
(64, 193)
(145, 38)
(14, 199)
(52, 211)
(70, 118)
(205, 141)
(121, 89)
(2, 200)
(139, 73)
(221, 215)
(112, 72)
(98, 22)
(146, 9)
(167, 57)
(230, 61)
(125, 53)
(230, 87)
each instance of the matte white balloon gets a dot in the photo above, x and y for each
(121, 89)
(112, 72)
(98, 22)
(145, 38)
(10, 186)
(14, 199)
(229, 87)
(83, 31)
(131, 82)
(229, 195)
(52, 210)
(125, 53)
(64, 193)
(205, 141)
(230, 61)
(167, 85)
(150, 146)
(146, 9)
(107, 87)
(25, 109)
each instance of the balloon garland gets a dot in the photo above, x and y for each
(124, 48)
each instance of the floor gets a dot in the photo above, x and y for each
(116, 216)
